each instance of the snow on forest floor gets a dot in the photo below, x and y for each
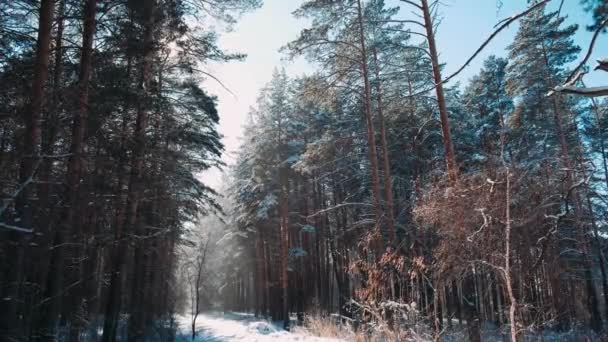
(218, 327)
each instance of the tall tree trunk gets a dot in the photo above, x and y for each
(260, 279)
(284, 212)
(28, 166)
(569, 192)
(74, 172)
(47, 148)
(371, 133)
(583, 241)
(388, 191)
(448, 145)
(507, 269)
(31, 144)
(602, 259)
(48, 139)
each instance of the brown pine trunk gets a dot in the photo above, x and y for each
(448, 145)
(50, 134)
(371, 133)
(266, 280)
(31, 144)
(284, 212)
(322, 251)
(45, 253)
(28, 166)
(74, 172)
(388, 191)
(79, 120)
(260, 279)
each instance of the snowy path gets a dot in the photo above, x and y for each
(240, 327)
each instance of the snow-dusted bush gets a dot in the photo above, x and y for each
(334, 326)
(390, 321)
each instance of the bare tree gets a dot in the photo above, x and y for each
(195, 270)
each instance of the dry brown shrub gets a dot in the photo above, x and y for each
(469, 220)
(469, 217)
(331, 327)
(406, 324)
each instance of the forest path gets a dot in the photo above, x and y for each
(218, 327)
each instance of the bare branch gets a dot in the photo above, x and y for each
(588, 92)
(576, 70)
(15, 195)
(338, 207)
(412, 3)
(602, 64)
(19, 229)
(405, 21)
(505, 24)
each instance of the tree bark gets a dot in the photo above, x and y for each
(371, 133)
(448, 145)
(41, 323)
(388, 191)
(74, 172)
(28, 165)
(284, 211)
(31, 144)
(507, 270)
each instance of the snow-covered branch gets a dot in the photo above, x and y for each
(503, 24)
(338, 206)
(15, 228)
(588, 92)
(576, 70)
(602, 64)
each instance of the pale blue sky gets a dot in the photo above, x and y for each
(260, 34)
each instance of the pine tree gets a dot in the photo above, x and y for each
(117, 134)
(486, 99)
(538, 55)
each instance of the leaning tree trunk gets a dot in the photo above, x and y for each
(448, 145)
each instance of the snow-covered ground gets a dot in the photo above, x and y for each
(240, 327)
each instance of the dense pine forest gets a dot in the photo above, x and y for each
(105, 125)
(375, 195)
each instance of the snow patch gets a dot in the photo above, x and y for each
(262, 328)
(240, 327)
